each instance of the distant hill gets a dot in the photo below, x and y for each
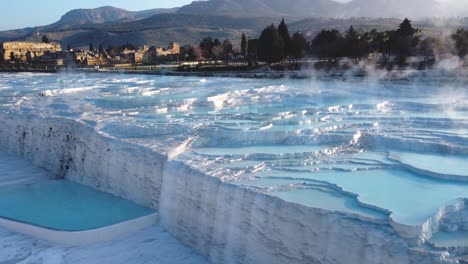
(215, 22)
(102, 15)
(80, 24)
(414, 9)
(259, 8)
(158, 30)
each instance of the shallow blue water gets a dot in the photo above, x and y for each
(30, 195)
(63, 205)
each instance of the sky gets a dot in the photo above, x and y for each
(26, 13)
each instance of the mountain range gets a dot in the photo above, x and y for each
(103, 15)
(415, 9)
(225, 19)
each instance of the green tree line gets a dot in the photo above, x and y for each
(275, 44)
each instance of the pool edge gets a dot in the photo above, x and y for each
(81, 238)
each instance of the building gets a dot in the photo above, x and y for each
(27, 51)
(154, 53)
(173, 49)
(135, 56)
(90, 58)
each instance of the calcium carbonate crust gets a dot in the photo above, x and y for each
(227, 223)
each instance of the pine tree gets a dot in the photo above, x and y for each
(461, 42)
(352, 44)
(217, 42)
(404, 41)
(244, 45)
(271, 45)
(252, 51)
(406, 29)
(206, 46)
(328, 44)
(91, 47)
(298, 45)
(283, 31)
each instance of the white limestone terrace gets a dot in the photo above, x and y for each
(341, 158)
(126, 244)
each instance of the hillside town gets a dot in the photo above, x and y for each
(50, 55)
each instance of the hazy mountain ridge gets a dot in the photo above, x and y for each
(258, 8)
(157, 30)
(328, 8)
(193, 20)
(392, 8)
(103, 15)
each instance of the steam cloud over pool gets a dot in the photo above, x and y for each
(389, 152)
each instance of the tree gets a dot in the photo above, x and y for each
(404, 41)
(45, 39)
(206, 45)
(227, 48)
(217, 42)
(383, 44)
(217, 51)
(69, 47)
(194, 53)
(461, 42)
(244, 45)
(298, 45)
(328, 44)
(91, 47)
(100, 48)
(406, 29)
(252, 51)
(271, 45)
(353, 46)
(370, 42)
(429, 46)
(283, 31)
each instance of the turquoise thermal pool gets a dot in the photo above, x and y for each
(29, 195)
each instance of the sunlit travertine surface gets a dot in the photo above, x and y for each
(390, 152)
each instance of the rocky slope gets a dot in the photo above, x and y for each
(329, 8)
(102, 15)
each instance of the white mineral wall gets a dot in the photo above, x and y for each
(75, 151)
(234, 225)
(227, 223)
